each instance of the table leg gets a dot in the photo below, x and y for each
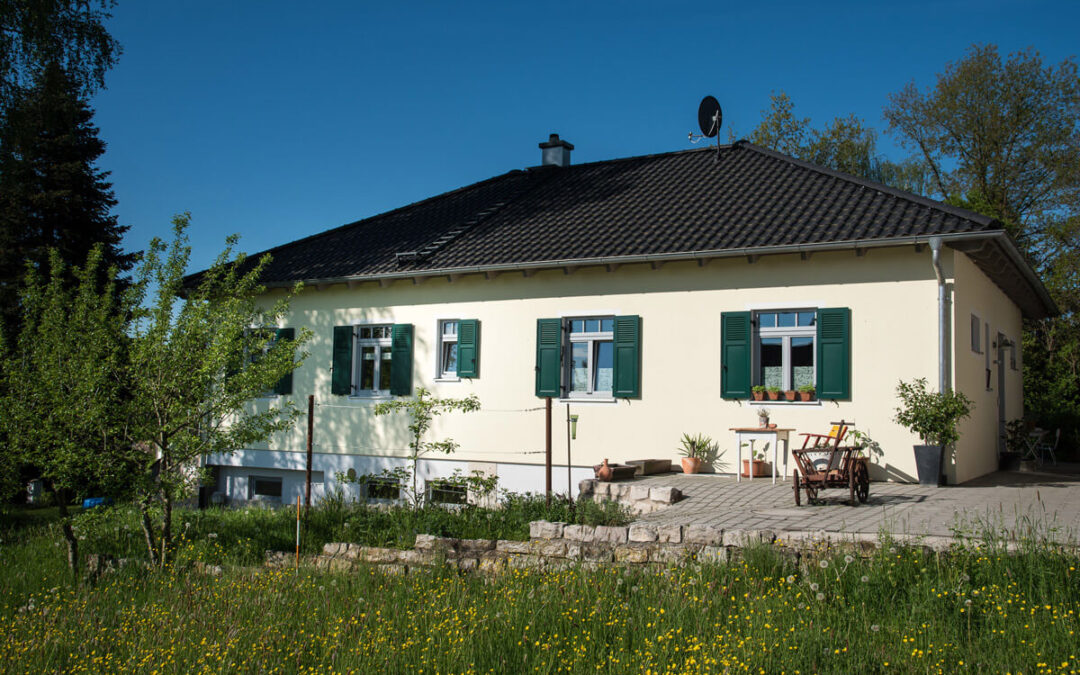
(750, 473)
(775, 448)
(738, 458)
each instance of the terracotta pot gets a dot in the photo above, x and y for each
(806, 396)
(691, 464)
(761, 467)
(774, 395)
(758, 395)
(603, 471)
(790, 394)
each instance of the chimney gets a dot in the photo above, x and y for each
(556, 152)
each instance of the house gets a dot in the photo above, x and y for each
(647, 296)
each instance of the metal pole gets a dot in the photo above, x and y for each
(569, 480)
(297, 534)
(547, 449)
(310, 433)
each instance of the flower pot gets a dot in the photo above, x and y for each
(774, 395)
(759, 466)
(763, 422)
(806, 396)
(603, 471)
(790, 394)
(928, 464)
(759, 395)
(691, 464)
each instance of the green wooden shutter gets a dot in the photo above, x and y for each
(468, 347)
(284, 385)
(834, 353)
(341, 375)
(401, 353)
(735, 354)
(627, 374)
(548, 357)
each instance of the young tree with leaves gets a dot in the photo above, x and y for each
(61, 391)
(202, 348)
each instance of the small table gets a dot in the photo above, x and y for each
(752, 435)
(1032, 441)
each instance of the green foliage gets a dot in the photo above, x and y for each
(758, 389)
(422, 409)
(931, 415)
(696, 446)
(61, 386)
(808, 389)
(201, 349)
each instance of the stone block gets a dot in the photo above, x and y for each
(416, 558)
(587, 487)
(648, 467)
(710, 535)
(508, 546)
(669, 534)
(665, 495)
(424, 542)
(579, 532)
(628, 553)
(394, 569)
(669, 554)
(376, 555)
(644, 507)
(712, 554)
(623, 491)
(610, 534)
(642, 533)
(639, 492)
(475, 545)
(542, 529)
(520, 562)
(338, 565)
(332, 549)
(604, 489)
(573, 550)
(490, 563)
(599, 499)
(467, 564)
(549, 548)
(596, 553)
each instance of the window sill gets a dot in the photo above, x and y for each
(447, 379)
(589, 400)
(370, 397)
(815, 403)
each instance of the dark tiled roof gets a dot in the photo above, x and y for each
(742, 198)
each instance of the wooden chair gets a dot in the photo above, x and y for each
(823, 441)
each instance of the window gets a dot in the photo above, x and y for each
(987, 357)
(976, 335)
(591, 350)
(374, 360)
(264, 488)
(786, 354)
(448, 349)
(386, 489)
(1012, 356)
(284, 385)
(446, 492)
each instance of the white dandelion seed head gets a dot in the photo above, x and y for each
(820, 596)
(814, 586)
(791, 579)
(865, 579)
(875, 627)
(823, 564)
(967, 603)
(848, 559)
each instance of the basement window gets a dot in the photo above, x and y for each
(382, 489)
(264, 488)
(446, 492)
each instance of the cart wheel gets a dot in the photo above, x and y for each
(795, 486)
(862, 480)
(851, 486)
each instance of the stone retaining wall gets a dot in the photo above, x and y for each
(555, 546)
(640, 498)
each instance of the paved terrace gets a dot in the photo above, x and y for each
(1004, 500)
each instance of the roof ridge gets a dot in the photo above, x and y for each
(959, 212)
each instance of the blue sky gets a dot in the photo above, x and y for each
(276, 121)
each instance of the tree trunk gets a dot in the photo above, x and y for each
(65, 526)
(148, 529)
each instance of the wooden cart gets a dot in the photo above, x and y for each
(823, 463)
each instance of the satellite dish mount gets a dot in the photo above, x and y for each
(710, 117)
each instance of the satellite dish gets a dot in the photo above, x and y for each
(709, 116)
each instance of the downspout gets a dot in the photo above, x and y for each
(935, 252)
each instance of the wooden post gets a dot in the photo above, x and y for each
(547, 450)
(569, 480)
(310, 432)
(297, 534)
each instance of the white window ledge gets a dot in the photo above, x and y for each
(815, 403)
(589, 399)
(447, 379)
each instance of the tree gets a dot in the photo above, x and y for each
(422, 410)
(71, 33)
(201, 349)
(52, 195)
(61, 390)
(1002, 137)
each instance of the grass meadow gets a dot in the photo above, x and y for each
(976, 609)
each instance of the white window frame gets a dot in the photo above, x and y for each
(382, 344)
(441, 374)
(445, 485)
(786, 333)
(382, 481)
(592, 339)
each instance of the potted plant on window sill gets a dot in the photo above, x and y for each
(757, 464)
(759, 392)
(695, 451)
(806, 392)
(790, 394)
(773, 392)
(934, 417)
